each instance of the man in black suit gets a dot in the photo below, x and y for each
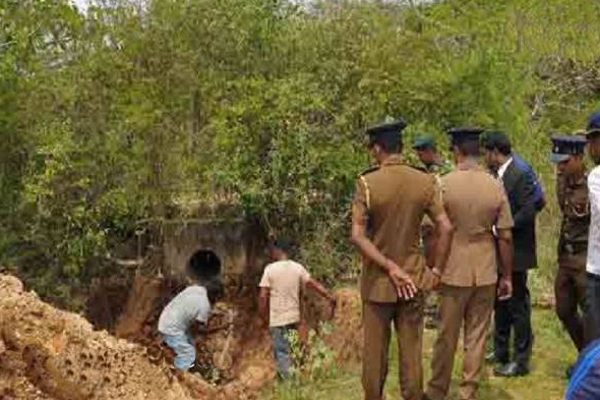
(514, 313)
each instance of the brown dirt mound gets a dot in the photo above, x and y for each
(47, 354)
(346, 337)
(347, 340)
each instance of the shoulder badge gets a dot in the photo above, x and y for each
(366, 185)
(369, 170)
(367, 192)
(418, 168)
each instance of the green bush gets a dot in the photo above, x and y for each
(126, 113)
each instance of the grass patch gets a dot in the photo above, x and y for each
(552, 354)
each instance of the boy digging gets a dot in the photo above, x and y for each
(280, 295)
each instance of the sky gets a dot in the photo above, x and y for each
(81, 4)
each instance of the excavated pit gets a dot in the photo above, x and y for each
(244, 361)
(48, 354)
(248, 356)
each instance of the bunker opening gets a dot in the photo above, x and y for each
(204, 265)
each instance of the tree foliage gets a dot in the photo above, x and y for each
(167, 107)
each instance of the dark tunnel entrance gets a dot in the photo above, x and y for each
(204, 265)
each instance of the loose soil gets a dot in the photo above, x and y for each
(49, 354)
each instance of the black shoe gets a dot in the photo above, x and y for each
(492, 359)
(511, 370)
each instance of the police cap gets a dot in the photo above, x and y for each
(565, 146)
(424, 142)
(388, 126)
(593, 126)
(464, 134)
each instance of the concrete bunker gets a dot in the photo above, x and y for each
(232, 248)
(155, 264)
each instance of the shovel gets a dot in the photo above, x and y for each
(223, 361)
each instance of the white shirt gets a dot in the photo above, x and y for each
(189, 305)
(283, 278)
(503, 168)
(593, 253)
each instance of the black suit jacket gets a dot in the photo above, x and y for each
(520, 191)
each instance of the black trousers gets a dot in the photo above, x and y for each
(514, 315)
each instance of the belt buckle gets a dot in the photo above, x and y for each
(569, 248)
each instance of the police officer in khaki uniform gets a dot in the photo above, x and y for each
(389, 204)
(477, 207)
(572, 194)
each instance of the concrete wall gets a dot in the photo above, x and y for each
(238, 244)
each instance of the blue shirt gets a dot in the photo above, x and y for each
(538, 191)
(585, 381)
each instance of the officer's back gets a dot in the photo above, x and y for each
(472, 199)
(396, 198)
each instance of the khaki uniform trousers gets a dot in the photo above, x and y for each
(407, 317)
(471, 306)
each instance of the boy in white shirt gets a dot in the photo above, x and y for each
(280, 295)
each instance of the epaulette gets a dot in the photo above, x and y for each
(422, 169)
(369, 170)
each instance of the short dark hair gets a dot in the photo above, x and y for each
(283, 244)
(214, 289)
(497, 141)
(469, 148)
(389, 143)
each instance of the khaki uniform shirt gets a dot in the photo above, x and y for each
(475, 203)
(574, 204)
(391, 200)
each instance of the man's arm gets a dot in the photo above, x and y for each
(263, 303)
(524, 192)
(441, 243)
(506, 250)
(404, 284)
(320, 289)
(442, 240)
